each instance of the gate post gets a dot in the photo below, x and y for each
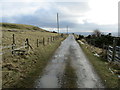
(114, 48)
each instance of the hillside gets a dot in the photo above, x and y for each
(12, 26)
(17, 68)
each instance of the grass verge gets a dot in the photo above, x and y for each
(25, 70)
(69, 78)
(101, 66)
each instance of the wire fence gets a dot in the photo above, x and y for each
(14, 49)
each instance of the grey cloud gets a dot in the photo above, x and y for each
(75, 6)
(92, 26)
(46, 17)
(42, 17)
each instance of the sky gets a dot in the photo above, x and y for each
(78, 15)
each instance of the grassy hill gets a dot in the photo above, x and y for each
(12, 26)
(23, 70)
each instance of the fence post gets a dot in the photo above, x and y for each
(114, 49)
(43, 41)
(13, 44)
(27, 43)
(37, 43)
(48, 40)
(13, 39)
(51, 38)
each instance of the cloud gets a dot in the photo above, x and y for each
(79, 16)
(19, 8)
(89, 27)
(45, 16)
(44, 1)
(103, 12)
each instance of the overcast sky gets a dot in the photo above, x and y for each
(79, 15)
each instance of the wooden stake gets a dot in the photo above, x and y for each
(37, 43)
(43, 41)
(13, 44)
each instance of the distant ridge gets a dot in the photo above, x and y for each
(6, 26)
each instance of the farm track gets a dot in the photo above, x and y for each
(54, 71)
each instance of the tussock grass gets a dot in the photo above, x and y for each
(102, 68)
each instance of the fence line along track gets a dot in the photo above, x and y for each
(27, 45)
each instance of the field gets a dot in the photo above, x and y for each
(22, 70)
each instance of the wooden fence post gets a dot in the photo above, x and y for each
(37, 43)
(43, 41)
(27, 43)
(13, 44)
(13, 39)
(48, 40)
(51, 38)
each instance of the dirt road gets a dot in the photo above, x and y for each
(54, 71)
